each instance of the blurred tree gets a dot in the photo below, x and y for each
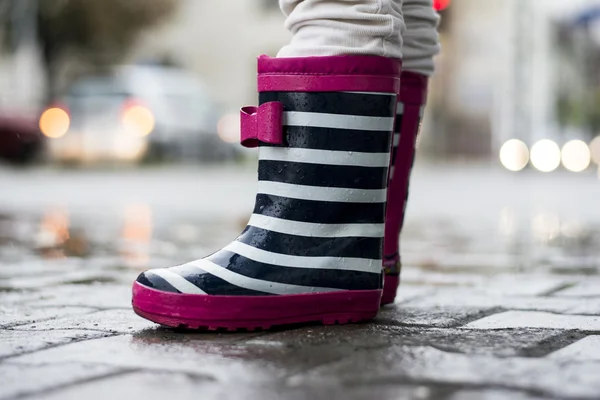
(578, 100)
(595, 113)
(570, 110)
(101, 32)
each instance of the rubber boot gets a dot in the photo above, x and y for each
(312, 250)
(411, 103)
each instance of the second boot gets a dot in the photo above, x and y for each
(411, 104)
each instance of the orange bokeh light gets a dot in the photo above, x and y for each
(138, 120)
(54, 122)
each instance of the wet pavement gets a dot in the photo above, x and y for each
(500, 295)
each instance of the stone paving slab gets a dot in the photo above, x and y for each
(420, 253)
(70, 277)
(483, 394)
(150, 386)
(526, 285)
(532, 319)
(586, 349)
(495, 284)
(102, 296)
(138, 385)
(401, 364)
(228, 362)
(35, 267)
(590, 287)
(16, 381)
(112, 321)
(410, 292)
(11, 315)
(300, 358)
(18, 342)
(441, 317)
(464, 298)
(519, 342)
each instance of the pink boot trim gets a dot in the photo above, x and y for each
(329, 74)
(390, 287)
(391, 272)
(195, 311)
(412, 96)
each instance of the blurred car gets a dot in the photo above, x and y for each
(20, 139)
(135, 113)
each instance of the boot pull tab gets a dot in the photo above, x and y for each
(262, 124)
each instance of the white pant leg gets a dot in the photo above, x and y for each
(343, 27)
(421, 40)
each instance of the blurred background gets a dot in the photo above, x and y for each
(113, 81)
(119, 133)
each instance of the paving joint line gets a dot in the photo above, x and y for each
(458, 386)
(54, 346)
(560, 288)
(10, 326)
(123, 371)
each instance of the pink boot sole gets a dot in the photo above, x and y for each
(390, 287)
(193, 311)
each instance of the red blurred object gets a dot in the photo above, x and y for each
(131, 102)
(20, 139)
(440, 5)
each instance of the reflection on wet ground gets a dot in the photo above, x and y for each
(132, 235)
(129, 241)
(540, 242)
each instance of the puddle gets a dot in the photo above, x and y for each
(58, 241)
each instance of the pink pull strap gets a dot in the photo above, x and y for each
(262, 124)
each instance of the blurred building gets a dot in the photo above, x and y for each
(22, 86)
(498, 76)
(220, 40)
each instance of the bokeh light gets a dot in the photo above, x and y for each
(576, 156)
(545, 155)
(54, 122)
(595, 150)
(129, 147)
(228, 128)
(138, 120)
(514, 155)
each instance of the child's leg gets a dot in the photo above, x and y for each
(343, 27)
(420, 41)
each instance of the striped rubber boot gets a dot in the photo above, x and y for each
(312, 250)
(411, 103)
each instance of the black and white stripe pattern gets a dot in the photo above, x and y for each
(397, 133)
(318, 221)
(401, 172)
